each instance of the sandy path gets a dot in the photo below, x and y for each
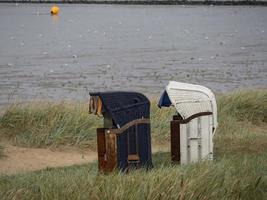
(19, 159)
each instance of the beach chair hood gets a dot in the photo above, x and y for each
(123, 106)
(189, 100)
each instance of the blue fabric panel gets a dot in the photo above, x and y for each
(164, 100)
(122, 151)
(144, 140)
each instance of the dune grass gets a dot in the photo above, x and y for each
(51, 124)
(246, 105)
(239, 170)
(242, 123)
(47, 124)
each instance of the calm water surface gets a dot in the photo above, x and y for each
(118, 47)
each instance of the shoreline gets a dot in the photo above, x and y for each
(148, 2)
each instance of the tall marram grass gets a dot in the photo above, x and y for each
(246, 105)
(242, 122)
(239, 170)
(45, 124)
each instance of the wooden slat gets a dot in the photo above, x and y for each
(133, 157)
(175, 141)
(184, 156)
(193, 143)
(101, 149)
(111, 152)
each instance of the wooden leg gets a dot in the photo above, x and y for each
(101, 149)
(111, 152)
(175, 141)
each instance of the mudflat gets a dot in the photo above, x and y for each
(128, 47)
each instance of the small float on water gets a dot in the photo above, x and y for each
(54, 10)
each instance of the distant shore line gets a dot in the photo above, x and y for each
(146, 2)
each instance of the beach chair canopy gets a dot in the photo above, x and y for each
(123, 107)
(189, 100)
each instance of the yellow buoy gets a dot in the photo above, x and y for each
(54, 10)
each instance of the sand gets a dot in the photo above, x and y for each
(20, 159)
